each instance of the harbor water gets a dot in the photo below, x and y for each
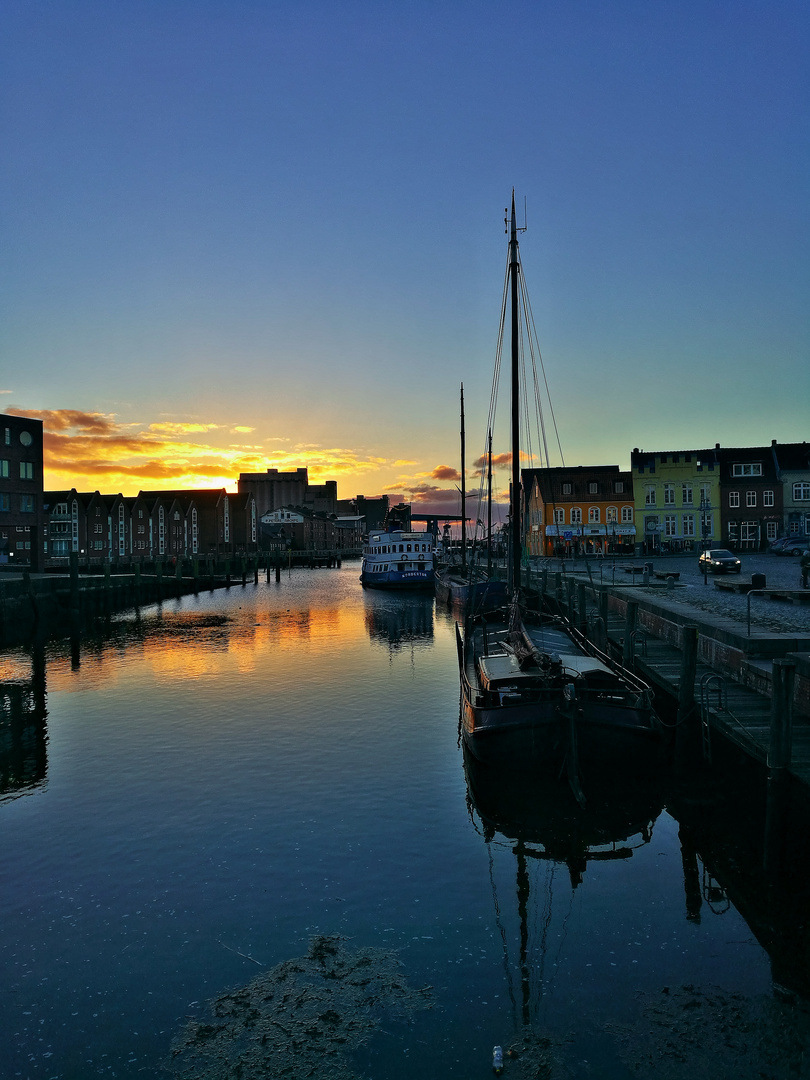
(216, 812)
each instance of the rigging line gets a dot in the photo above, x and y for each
(540, 413)
(530, 316)
(504, 943)
(545, 923)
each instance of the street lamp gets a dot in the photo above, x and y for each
(705, 529)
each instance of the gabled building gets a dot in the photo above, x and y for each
(677, 499)
(792, 462)
(751, 504)
(573, 509)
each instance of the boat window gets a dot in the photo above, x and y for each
(409, 547)
(401, 547)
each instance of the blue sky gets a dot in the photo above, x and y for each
(238, 235)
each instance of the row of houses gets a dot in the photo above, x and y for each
(743, 498)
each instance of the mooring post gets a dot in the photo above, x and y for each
(570, 587)
(137, 569)
(278, 569)
(558, 587)
(228, 573)
(583, 618)
(255, 561)
(780, 752)
(159, 578)
(74, 581)
(781, 746)
(630, 615)
(686, 726)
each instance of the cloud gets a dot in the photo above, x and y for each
(499, 461)
(445, 472)
(87, 450)
(240, 430)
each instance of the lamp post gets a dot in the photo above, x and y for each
(705, 529)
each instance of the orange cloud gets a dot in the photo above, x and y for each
(87, 450)
(445, 472)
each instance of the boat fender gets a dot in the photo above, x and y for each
(497, 1060)
(421, 558)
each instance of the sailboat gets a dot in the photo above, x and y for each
(533, 696)
(463, 582)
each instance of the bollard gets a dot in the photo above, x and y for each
(255, 562)
(74, 581)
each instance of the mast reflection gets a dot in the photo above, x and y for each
(542, 824)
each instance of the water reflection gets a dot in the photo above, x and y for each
(728, 863)
(23, 729)
(399, 620)
(542, 828)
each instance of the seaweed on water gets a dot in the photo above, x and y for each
(302, 1018)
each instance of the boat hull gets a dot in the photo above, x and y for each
(456, 592)
(398, 579)
(536, 736)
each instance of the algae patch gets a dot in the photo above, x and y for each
(302, 1018)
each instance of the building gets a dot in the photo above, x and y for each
(792, 462)
(677, 499)
(301, 529)
(21, 492)
(568, 510)
(751, 506)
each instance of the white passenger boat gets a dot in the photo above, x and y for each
(396, 558)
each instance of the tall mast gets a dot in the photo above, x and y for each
(514, 493)
(463, 492)
(489, 506)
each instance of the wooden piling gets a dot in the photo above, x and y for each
(630, 616)
(687, 729)
(781, 746)
(581, 607)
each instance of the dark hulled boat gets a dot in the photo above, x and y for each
(536, 695)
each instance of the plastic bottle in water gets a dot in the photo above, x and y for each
(497, 1060)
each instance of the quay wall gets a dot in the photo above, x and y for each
(723, 643)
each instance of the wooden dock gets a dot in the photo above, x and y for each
(733, 675)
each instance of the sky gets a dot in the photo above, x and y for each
(241, 235)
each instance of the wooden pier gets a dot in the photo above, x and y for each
(750, 688)
(31, 602)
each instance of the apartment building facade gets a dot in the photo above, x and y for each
(568, 510)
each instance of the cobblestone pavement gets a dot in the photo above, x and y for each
(781, 571)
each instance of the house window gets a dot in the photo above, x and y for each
(770, 528)
(618, 487)
(706, 494)
(733, 531)
(686, 494)
(576, 515)
(669, 494)
(649, 495)
(749, 531)
(566, 489)
(669, 525)
(593, 514)
(26, 470)
(801, 491)
(750, 498)
(627, 515)
(688, 524)
(559, 516)
(4, 469)
(612, 514)
(27, 504)
(734, 498)
(767, 498)
(8, 436)
(593, 487)
(749, 468)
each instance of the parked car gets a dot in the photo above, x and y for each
(794, 546)
(719, 561)
(777, 545)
